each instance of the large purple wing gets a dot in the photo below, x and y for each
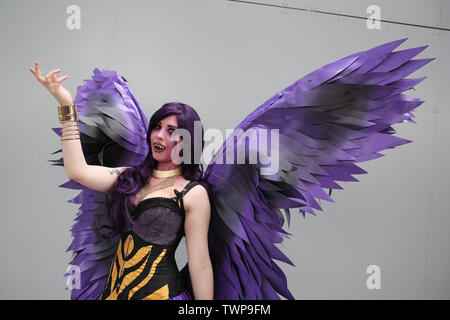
(334, 117)
(113, 129)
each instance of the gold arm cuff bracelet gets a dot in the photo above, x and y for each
(62, 110)
(67, 113)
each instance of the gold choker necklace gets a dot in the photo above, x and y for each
(166, 173)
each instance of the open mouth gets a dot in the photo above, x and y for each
(158, 147)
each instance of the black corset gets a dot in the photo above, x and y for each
(144, 266)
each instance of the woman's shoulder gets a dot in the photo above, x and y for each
(194, 186)
(197, 199)
(195, 191)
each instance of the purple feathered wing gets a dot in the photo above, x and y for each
(113, 130)
(334, 117)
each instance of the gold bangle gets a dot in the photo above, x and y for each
(70, 125)
(74, 125)
(70, 135)
(78, 138)
(68, 129)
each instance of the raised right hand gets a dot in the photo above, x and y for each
(53, 84)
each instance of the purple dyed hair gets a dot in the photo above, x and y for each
(133, 179)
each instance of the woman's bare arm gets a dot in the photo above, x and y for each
(73, 157)
(198, 213)
(98, 178)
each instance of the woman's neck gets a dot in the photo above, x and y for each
(164, 166)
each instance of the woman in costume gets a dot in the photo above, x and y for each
(325, 122)
(151, 205)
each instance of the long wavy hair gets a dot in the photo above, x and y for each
(133, 179)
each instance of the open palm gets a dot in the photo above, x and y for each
(53, 84)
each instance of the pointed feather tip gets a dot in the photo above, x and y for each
(431, 59)
(98, 71)
(427, 60)
(419, 80)
(418, 49)
(57, 151)
(400, 41)
(392, 45)
(313, 213)
(405, 141)
(57, 131)
(286, 233)
(57, 164)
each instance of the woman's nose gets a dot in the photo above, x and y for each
(160, 134)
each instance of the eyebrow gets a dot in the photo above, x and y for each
(171, 126)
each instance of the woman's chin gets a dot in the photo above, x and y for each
(160, 156)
